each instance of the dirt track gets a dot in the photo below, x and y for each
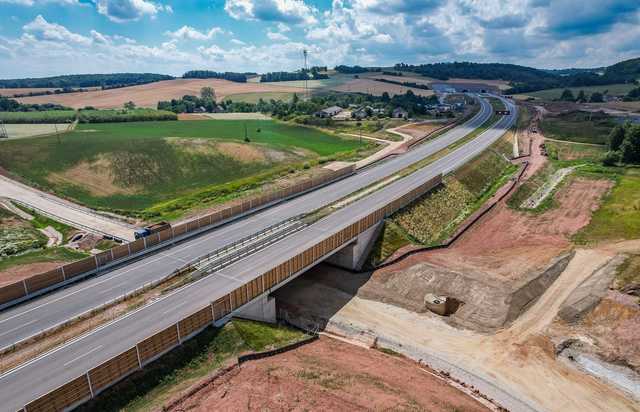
(329, 375)
(148, 95)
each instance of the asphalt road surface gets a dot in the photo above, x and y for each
(75, 215)
(42, 313)
(47, 372)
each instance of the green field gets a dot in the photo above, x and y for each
(554, 94)
(618, 217)
(129, 167)
(579, 127)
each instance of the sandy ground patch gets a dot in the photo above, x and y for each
(148, 95)
(16, 131)
(417, 130)
(237, 116)
(377, 88)
(329, 375)
(95, 176)
(242, 152)
(20, 272)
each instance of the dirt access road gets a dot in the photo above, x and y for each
(65, 211)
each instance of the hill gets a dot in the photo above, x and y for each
(85, 80)
(524, 79)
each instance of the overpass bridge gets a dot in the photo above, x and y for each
(83, 367)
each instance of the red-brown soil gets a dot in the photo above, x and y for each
(329, 375)
(148, 95)
(20, 272)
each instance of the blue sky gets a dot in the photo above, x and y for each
(49, 37)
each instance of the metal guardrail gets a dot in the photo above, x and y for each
(225, 256)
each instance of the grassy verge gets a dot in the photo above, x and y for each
(618, 217)
(570, 151)
(174, 372)
(58, 254)
(40, 222)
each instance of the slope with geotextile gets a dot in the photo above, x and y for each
(131, 167)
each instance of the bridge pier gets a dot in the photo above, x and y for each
(354, 255)
(262, 309)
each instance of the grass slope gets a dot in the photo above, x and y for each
(147, 169)
(195, 359)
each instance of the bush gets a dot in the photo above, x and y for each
(611, 158)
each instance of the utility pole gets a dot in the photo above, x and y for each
(3, 131)
(306, 74)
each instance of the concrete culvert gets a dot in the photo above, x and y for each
(441, 305)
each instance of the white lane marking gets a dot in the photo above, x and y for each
(82, 356)
(18, 327)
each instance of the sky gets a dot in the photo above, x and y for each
(53, 37)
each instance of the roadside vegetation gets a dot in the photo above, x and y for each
(194, 360)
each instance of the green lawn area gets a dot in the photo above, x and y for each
(579, 127)
(618, 217)
(613, 89)
(570, 151)
(129, 167)
(56, 254)
(184, 366)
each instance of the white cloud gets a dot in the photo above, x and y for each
(285, 11)
(120, 11)
(275, 36)
(189, 33)
(41, 29)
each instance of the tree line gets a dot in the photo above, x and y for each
(303, 74)
(85, 80)
(11, 105)
(208, 74)
(624, 145)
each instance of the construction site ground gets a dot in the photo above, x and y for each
(330, 375)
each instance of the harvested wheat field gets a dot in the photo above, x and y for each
(329, 375)
(148, 95)
(377, 88)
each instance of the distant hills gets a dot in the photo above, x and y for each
(85, 80)
(527, 79)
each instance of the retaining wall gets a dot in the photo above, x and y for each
(44, 282)
(117, 368)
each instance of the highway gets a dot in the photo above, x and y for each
(57, 307)
(52, 369)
